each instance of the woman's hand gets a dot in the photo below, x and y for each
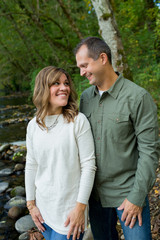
(76, 219)
(36, 215)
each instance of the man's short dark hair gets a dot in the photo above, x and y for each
(95, 46)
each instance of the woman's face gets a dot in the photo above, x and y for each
(59, 95)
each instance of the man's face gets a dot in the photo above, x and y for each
(90, 68)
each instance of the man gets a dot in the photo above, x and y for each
(123, 118)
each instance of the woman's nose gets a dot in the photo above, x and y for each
(63, 87)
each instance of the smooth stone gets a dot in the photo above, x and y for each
(24, 224)
(88, 235)
(3, 186)
(2, 224)
(18, 191)
(6, 223)
(9, 152)
(18, 167)
(16, 201)
(5, 172)
(24, 236)
(15, 212)
(4, 147)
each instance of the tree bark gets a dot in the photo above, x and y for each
(71, 21)
(109, 32)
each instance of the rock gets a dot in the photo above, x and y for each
(19, 155)
(6, 223)
(16, 201)
(9, 152)
(24, 236)
(18, 167)
(18, 191)
(24, 224)
(122, 237)
(4, 147)
(15, 212)
(3, 186)
(2, 224)
(158, 175)
(88, 235)
(5, 172)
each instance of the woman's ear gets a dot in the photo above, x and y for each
(104, 58)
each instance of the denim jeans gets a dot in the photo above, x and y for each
(103, 223)
(50, 234)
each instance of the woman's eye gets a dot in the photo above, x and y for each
(67, 83)
(56, 83)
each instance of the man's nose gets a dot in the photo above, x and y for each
(82, 72)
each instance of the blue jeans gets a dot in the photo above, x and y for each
(103, 223)
(50, 234)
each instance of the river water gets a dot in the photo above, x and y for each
(14, 107)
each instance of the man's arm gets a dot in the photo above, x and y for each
(146, 130)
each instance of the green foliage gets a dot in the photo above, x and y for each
(34, 35)
(138, 22)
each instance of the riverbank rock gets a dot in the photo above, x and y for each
(88, 235)
(15, 212)
(24, 224)
(16, 201)
(3, 186)
(17, 191)
(19, 155)
(24, 236)
(5, 172)
(19, 167)
(4, 147)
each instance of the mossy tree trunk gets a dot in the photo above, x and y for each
(109, 32)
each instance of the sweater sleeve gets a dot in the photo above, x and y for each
(31, 164)
(85, 145)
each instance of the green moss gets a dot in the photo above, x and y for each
(105, 16)
(119, 62)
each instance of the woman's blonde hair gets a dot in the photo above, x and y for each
(44, 80)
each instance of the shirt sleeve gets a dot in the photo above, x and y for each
(86, 151)
(146, 130)
(31, 164)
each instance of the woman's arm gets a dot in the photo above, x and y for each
(30, 175)
(85, 144)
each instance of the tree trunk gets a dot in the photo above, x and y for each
(110, 34)
(71, 21)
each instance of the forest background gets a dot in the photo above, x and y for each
(39, 33)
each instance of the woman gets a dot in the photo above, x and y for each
(60, 162)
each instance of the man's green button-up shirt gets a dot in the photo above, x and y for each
(125, 130)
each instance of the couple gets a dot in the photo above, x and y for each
(60, 164)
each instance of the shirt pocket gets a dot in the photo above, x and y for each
(120, 126)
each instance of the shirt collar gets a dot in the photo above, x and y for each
(115, 88)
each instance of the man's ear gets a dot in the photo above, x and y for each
(104, 58)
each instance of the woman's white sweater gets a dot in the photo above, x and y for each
(60, 168)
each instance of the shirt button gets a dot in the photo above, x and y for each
(100, 104)
(98, 138)
(117, 119)
(99, 121)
